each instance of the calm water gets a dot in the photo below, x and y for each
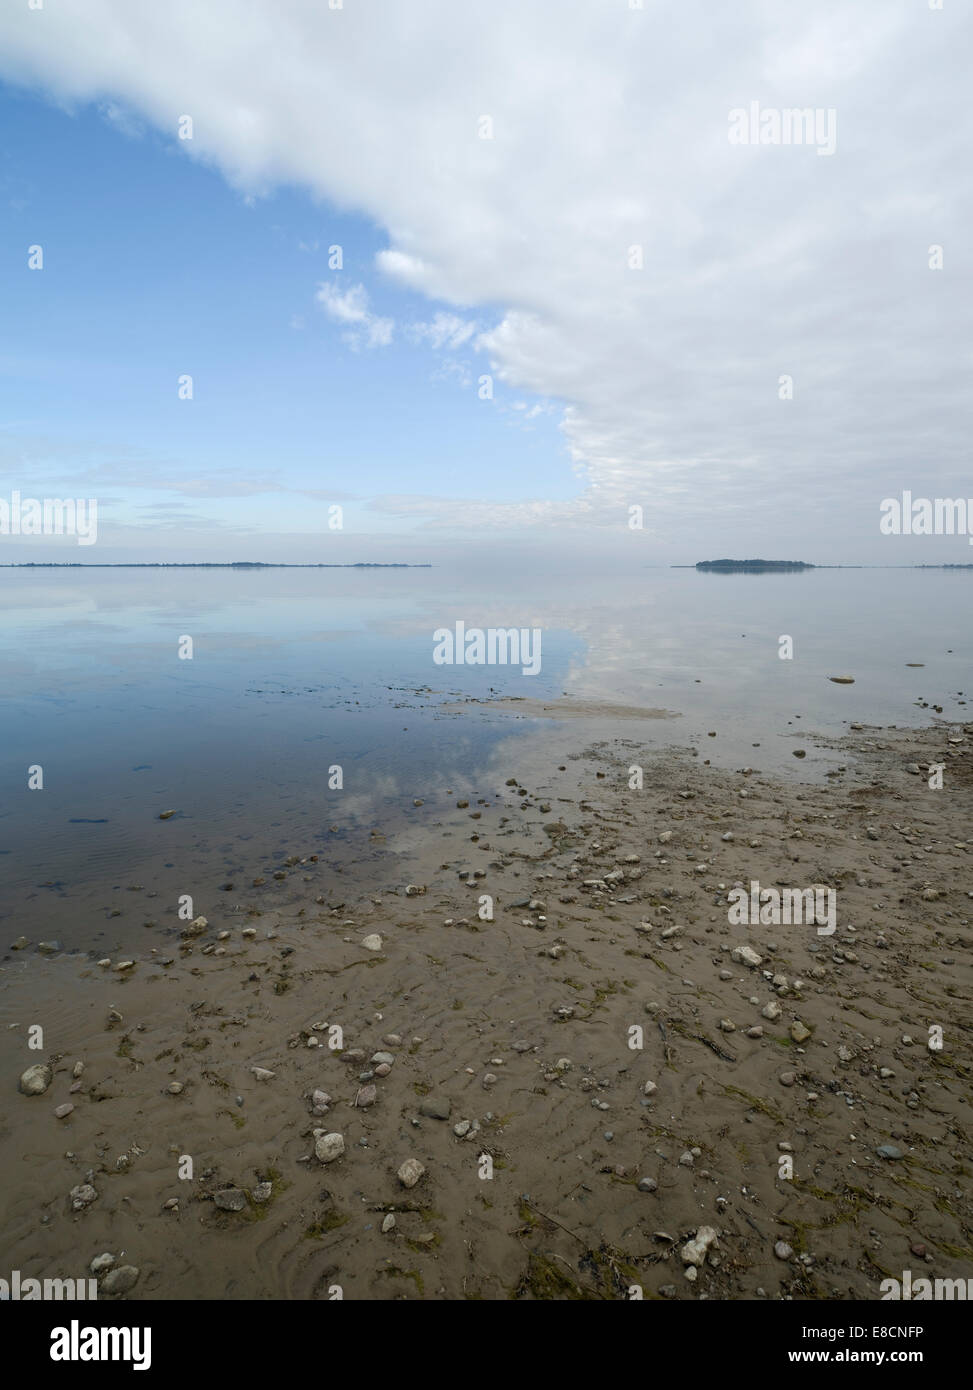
(298, 670)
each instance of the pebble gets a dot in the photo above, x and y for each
(82, 1196)
(119, 1280)
(889, 1151)
(435, 1108)
(388, 1224)
(372, 942)
(328, 1147)
(230, 1199)
(647, 1185)
(35, 1080)
(63, 1111)
(101, 1263)
(262, 1074)
(694, 1252)
(799, 1032)
(746, 955)
(410, 1172)
(263, 1192)
(782, 1250)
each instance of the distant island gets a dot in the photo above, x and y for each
(753, 565)
(198, 565)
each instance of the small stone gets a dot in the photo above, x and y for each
(435, 1108)
(101, 1263)
(35, 1080)
(263, 1192)
(787, 1078)
(771, 1011)
(799, 1032)
(82, 1196)
(647, 1185)
(388, 1224)
(650, 1088)
(694, 1252)
(372, 942)
(746, 955)
(262, 1074)
(367, 1095)
(462, 1129)
(63, 1111)
(383, 1059)
(410, 1172)
(889, 1151)
(782, 1250)
(175, 1088)
(328, 1147)
(119, 1280)
(230, 1199)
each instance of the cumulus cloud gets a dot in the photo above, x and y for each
(350, 308)
(654, 279)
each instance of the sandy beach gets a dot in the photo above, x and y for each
(590, 1081)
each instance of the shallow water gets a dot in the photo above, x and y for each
(298, 671)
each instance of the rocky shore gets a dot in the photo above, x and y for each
(548, 1066)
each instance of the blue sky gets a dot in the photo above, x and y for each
(154, 266)
(756, 342)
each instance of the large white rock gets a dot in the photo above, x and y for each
(694, 1251)
(746, 955)
(36, 1079)
(328, 1147)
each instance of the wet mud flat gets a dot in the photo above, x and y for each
(562, 1072)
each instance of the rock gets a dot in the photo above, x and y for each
(842, 680)
(889, 1151)
(755, 1032)
(175, 1088)
(787, 1078)
(649, 1089)
(372, 942)
(101, 1263)
(410, 1172)
(166, 815)
(799, 1032)
(20, 944)
(388, 1224)
(35, 1080)
(262, 1074)
(367, 1096)
(462, 1129)
(782, 1250)
(119, 1280)
(694, 1252)
(63, 1111)
(230, 1199)
(320, 1100)
(49, 948)
(414, 890)
(687, 1159)
(647, 1184)
(195, 928)
(263, 1192)
(382, 1059)
(82, 1196)
(771, 1011)
(328, 1147)
(746, 955)
(435, 1109)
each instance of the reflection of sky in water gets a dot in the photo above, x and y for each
(295, 670)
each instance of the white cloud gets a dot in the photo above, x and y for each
(610, 132)
(350, 308)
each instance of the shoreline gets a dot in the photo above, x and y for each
(542, 999)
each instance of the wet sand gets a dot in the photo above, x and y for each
(522, 1026)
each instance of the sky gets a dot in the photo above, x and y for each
(565, 288)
